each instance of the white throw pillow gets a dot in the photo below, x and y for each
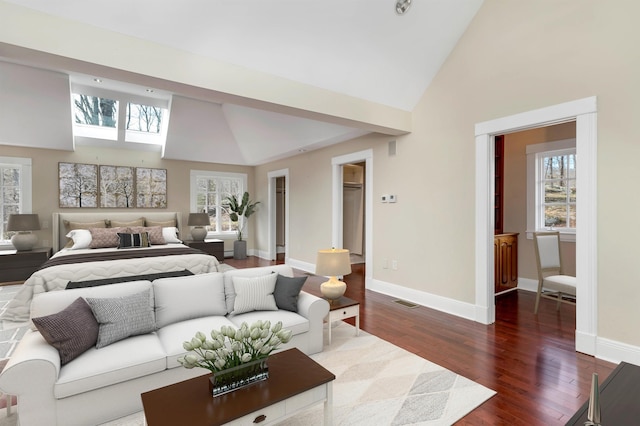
(81, 238)
(170, 234)
(254, 293)
(183, 298)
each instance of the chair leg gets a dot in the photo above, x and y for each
(9, 408)
(558, 302)
(535, 310)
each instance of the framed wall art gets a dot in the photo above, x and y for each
(78, 185)
(117, 187)
(151, 188)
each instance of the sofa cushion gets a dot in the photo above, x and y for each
(290, 320)
(125, 360)
(122, 317)
(174, 335)
(254, 293)
(179, 299)
(229, 290)
(71, 331)
(287, 291)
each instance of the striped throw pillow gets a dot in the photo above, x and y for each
(133, 240)
(254, 294)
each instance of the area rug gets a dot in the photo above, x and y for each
(377, 383)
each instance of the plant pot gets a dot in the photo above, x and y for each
(240, 249)
(238, 377)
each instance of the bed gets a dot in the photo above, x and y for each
(79, 262)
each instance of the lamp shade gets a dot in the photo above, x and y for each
(333, 262)
(23, 222)
(199, 219)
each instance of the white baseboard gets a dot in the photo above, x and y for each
(443, 304)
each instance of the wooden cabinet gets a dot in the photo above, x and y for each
(212, 247)
(505, 248)
(19, 266)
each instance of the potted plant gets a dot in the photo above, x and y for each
(240, 211)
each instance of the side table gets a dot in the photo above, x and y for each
(19, 265)
(343, 308)
(212, 247)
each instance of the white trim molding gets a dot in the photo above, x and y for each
(584, 113)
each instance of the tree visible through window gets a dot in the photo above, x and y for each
(209, 191)
(95, 111)
(15, 191)
(557, 189)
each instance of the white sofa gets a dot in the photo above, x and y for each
(104, 384)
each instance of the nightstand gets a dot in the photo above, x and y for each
(212, 247)
(18, 266)
(343, 308)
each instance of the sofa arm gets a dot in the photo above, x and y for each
(31, 374)
(315, 309)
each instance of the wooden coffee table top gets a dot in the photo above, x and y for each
(290, 373)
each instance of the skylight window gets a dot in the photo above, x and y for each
(108, 118)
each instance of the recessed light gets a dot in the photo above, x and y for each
(302, 150)
(97, 80)
(150, 90)
(402, 6)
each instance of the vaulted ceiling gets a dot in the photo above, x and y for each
(250, 81)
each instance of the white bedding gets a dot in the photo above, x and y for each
(57, 277)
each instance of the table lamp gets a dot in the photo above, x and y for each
(24, 240)
(198, 220)
(333, 263)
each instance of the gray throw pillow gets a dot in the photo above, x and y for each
(122, 317)
(71, 331)
(287, 291)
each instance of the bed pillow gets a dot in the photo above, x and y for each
(70, 226)
(163, 223)
(122, 317)
(126, 223)
(155, 233)
(105, 237)
(170, 235)
(287, 291)
(80, 239)
(196, 296)
(254, 293)
(133, 240)
(71, 331)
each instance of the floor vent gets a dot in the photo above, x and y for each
(405, 303)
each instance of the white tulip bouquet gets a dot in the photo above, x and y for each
(232, 347)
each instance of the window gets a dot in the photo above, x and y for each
(208, 193)
(15, 191)
(101, 114)
(552, 187)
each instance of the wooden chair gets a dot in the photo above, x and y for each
(552, 283)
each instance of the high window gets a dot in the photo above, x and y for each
(209, 191)
(15, 191)
(118, 117)
(552, 187)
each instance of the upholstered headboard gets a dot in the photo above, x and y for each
(59, 231)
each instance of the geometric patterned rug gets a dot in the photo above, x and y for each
(377, 383)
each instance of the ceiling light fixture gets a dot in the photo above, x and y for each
(97, 80)
(402, 6)
(150, 90)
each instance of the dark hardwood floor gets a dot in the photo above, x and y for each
(529, 360)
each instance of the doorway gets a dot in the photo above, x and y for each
(338, 165)
(278, 239)
(353, 214)
(584, 113)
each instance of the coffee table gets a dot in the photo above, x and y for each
(343, 308)
(296, 382)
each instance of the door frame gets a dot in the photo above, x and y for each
(337, 164)
(271, 239)
(584, 112)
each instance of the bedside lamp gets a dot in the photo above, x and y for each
(198, 220)
(332, 263)
(24, 240)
